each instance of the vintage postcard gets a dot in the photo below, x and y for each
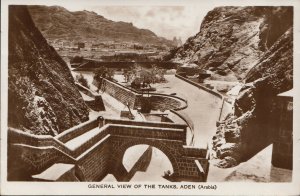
(150, 97)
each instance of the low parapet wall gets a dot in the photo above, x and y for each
(77, 130)
(200, 86)
(145, 123)
(20, 137)
(30, 154)
(94, 155)
(113, 126)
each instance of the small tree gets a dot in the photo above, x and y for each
(100, 73)
(81, 80)
(109, 74)
(77, 59)
(161, 75)
(128, 75)
(103, 72)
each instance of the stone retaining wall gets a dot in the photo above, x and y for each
(120, 93)
(16, 136)
(163, 103)
(200, 86)
(93, 165)
(145, 123)
(25, 161)
(99, 155)
(134, 98)
(282, 155)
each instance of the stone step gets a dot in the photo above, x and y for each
(76, 142)
(85, 141)
(57, 172)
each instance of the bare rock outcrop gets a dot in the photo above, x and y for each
(253, 45)
(232, 40)
(255, 114)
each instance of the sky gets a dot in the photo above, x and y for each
(167, 21)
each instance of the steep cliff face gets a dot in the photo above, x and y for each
(253, 45)
(233, 39)
(254, 120)
(42, 95)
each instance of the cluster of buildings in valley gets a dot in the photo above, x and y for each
(105, 46)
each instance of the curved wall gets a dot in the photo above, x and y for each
(133, 98)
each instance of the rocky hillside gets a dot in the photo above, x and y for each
(58, 23)
(42, 96)
(255, 46)
(251, 125)
(232, 40)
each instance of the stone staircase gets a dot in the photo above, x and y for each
(89, 147)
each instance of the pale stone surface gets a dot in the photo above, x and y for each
(55, 172)
(158, 165)
(132, 155)
(78, 141)
(109, 178)
(256, 169)
(203, 108)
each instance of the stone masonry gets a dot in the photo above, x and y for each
(283, 141)
(96, 148)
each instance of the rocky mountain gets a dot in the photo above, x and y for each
(58, 23)
(253, 45)
(253, 122)
(232, 40)
(42, 95)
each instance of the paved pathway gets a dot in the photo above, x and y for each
(203, 108)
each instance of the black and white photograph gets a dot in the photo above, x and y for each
(143, 97)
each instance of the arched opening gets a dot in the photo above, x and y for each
(146, 163)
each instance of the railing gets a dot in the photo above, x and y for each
(191, 126)
(77, 130)
(18, 136)
(219, 95)
(145, 123)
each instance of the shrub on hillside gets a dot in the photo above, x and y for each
(81, 80)
(77, 59)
